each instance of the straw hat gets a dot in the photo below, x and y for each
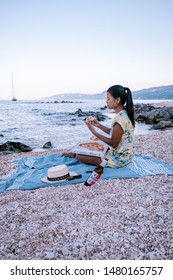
(59, 173)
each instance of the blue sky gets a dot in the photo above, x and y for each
(55, 46)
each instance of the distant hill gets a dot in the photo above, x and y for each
(163, 92)
(75, 96)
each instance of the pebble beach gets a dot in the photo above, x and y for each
(125, 219)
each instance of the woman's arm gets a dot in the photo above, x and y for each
(104, 128)
(115, 138)
(93, 121)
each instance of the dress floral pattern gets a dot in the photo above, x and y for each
(123, 153)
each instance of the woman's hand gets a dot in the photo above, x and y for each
(92, 121)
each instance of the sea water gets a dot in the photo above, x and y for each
(35, 123)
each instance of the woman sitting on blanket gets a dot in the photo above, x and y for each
(120, 140)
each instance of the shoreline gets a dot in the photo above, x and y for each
(115, 219)
(164, 104)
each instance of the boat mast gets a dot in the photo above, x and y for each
(12, 83)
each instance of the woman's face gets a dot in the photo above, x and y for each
(112, 102)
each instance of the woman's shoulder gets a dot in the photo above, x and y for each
(122, 119)
(121, 116)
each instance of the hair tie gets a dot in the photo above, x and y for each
(126, 91)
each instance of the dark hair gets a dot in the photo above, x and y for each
(126, 99)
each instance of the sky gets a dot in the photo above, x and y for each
(84, 46)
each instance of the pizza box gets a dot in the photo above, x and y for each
(91, 147)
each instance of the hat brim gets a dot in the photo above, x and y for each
(45, 180)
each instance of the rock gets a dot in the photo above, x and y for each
(81, 253)
(163, 124)
(47, 145)
(159, 117)
(14, 147)
(80, 113)
(143, 107)
(65, 250)
(1, 135)
(65, 101)
(98, 115)
(2, 248)
(49, 255)
(21, 243)
(103, 108)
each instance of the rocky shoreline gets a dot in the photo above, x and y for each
(160, 117)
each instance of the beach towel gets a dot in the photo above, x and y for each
(29, 171)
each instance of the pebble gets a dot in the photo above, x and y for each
(49, 255)
(81, 253)
(21, 243)
(65, 250)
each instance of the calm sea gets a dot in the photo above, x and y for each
(35, 123)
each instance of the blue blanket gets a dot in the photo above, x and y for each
(29, 171)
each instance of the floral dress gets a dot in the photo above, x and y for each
(123, 153)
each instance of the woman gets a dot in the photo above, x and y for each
(120, 140)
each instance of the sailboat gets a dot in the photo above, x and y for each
(13, 97)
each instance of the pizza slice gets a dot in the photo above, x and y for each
(93, 146)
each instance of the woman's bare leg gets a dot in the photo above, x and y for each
(89, 159)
